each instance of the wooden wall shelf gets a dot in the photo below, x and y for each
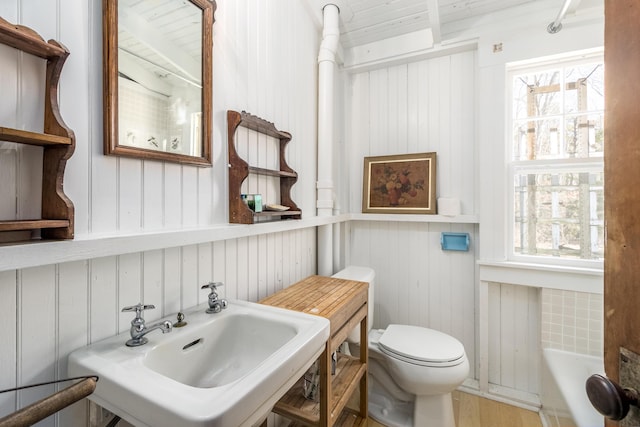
(32, 138)
(57, 140)
(239, 170)
(32, 224)
(344, 303)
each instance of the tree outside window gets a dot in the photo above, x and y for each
(557, 145)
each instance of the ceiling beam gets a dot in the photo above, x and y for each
(157, 41)
(434, 21)
(130, 67)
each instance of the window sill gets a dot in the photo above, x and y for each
(542, 276)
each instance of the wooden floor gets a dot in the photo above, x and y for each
(474, 411)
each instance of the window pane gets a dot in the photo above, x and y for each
(537, 94)
(558, 114)
(559, 214)
(585, 88)
(538, 139)
(584, 136)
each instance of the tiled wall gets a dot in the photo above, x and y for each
(572, 321)
(143, 116)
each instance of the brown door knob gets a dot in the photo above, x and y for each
(609, 398)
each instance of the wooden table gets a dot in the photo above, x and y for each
(344, 303)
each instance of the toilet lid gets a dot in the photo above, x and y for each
(421, 344)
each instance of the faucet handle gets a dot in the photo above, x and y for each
(138, 308)
(215, 305)
(212, 285)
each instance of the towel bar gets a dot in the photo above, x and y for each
(43, 408)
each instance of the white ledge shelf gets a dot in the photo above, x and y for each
(37, 253)
(458, 219)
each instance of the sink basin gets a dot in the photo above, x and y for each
(224, 369)
(221, 354)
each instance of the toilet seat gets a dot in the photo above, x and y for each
(421, 346)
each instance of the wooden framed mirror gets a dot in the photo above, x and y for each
(157, 71)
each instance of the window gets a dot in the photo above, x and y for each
(557, 167)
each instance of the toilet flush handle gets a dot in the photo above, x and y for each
(609, 398)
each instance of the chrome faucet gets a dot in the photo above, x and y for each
(139, 329)
(215, 304)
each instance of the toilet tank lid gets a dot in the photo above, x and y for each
(353, 272)
(421, 344)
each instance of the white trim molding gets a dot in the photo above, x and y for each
(542, 276)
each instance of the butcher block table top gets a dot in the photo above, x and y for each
(344, 303)
(329, 297)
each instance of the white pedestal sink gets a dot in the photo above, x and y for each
(223, 369)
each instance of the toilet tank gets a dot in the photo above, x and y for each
(361, 274)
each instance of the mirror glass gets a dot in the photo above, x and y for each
(157, 71)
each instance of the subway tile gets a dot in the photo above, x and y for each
(582, 346)
(595, 324)
(583, 297)
(556, 339)
(595, 348)
(569, 301)
(582, 314)
(582, 333)
(569, 332)
(569, 320)
(556, 328)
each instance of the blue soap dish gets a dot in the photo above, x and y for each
(454, 241)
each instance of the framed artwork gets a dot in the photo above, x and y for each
(403, 184)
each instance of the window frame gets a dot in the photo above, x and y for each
(515, 167)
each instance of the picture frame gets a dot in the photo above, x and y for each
(402, 184)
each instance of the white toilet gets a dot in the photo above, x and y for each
(412, 370)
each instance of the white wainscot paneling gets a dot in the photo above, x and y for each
(38, 332)
(525, 307)
(514, 340)
(425, 106)
(417, 283)
(269, 70)
(58, 308)
(9, 347)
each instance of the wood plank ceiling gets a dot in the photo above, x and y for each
(374, 20)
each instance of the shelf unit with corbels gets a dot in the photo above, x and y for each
(57, 140)
(240, 169)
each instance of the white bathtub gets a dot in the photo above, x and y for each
(563, 388)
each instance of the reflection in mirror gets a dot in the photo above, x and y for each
(158, 79)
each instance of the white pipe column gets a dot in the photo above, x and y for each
(326, 70)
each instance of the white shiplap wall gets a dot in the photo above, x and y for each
(431, 105)
(416, 282)
(51, 310)
(265, 63)
(514, 319)
(421, 106)
(514, 339)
